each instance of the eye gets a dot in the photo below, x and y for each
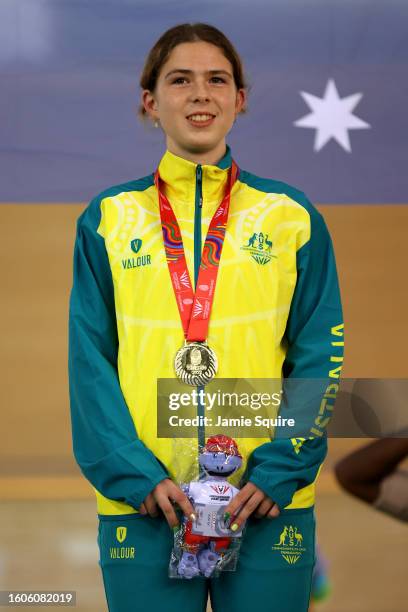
(179, 80)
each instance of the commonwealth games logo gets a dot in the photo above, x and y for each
(259, 247)
(290, 544)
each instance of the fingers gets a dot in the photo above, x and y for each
(164, 495)
(239, 500)
(274, 512)
(263, 508)
(247, 509)
(151, 505)
(249, 500)
(182, 500)
(168, 510)
(267, 508)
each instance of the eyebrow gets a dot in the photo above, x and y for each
(184, 71)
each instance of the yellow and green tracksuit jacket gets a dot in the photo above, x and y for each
(280, 317)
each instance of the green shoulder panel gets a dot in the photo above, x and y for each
(272, 186)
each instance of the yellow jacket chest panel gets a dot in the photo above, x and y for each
(252, 298)
(255, 295)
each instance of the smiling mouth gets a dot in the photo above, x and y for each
(201, 119)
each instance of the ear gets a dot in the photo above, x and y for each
(150, 104)
(240, 100)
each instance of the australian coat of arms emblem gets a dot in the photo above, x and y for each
(290, 544)
(259, 247)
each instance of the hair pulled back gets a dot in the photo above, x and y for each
(183, 33)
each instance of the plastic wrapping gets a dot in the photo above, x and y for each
(206, 546)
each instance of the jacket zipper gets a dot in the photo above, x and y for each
(197, 260)
(197, 221)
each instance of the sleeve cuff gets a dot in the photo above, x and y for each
(137, 498)
(281, 494)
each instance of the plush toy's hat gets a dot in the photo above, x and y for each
(222, 444)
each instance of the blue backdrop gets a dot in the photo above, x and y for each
(327, 109)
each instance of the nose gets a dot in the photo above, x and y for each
(200, 92)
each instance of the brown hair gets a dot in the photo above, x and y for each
(188, 32)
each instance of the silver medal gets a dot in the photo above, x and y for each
(196, 364)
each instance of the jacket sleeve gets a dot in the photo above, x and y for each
(105, 442)
(314, 337)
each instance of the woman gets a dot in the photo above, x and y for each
(275, 311)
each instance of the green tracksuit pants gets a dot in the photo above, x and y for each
(274, 569)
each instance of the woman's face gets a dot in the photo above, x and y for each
(196, 101)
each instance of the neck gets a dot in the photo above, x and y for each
(210, 158)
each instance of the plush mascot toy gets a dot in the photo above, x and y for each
(206, 540)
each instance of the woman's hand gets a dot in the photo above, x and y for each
(251, 499)
(162, 497)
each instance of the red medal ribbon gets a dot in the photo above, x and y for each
(195, 309)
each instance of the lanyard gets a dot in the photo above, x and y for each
(195, 308)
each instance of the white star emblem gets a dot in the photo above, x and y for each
(332, 117)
